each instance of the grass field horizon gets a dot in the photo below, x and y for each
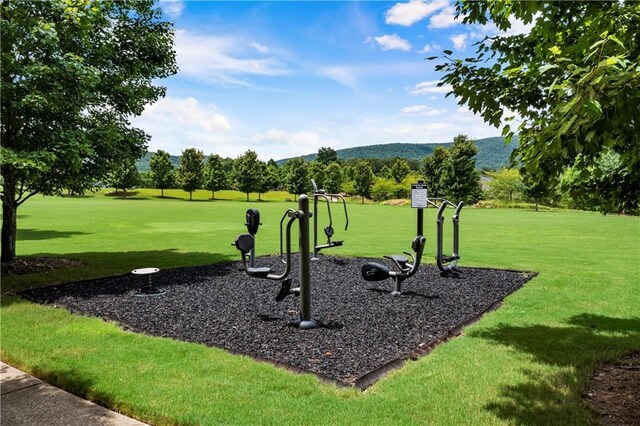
(525, 363)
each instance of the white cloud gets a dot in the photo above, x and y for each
(459, 41)
(222, 59)
(444, 19)
(430, 86)
(393, 42)
(429, 48)
(178, 123)
(422, 110)
(343, 74)
(260, 47)
(407, 14)
(172, 8)
(188, 111)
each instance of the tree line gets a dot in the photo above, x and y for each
(449, 172)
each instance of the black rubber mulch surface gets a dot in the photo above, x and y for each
(363, 330)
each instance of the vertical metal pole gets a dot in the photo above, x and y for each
(420, 222)
(305, 265)
(315, 226)
(252, 255)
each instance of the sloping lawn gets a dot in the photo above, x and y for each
(525, 363)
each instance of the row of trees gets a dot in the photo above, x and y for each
(449, 173)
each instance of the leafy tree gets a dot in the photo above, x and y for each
(190, 171)
(215, 177)
(162, 176)
(574, 81)
(504, 184)
(606, 182)
(247, 173)
(385, 173)
(271, 177)
(297, 179)
(334, 178)
(363, 179)
(460, 179)
(387, 189)
(327, 155)
(433, 168)
(400, 169)
(124, 175)
(538, 191)
(72, 74)
(317, 173)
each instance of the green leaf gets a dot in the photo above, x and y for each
(616, 40)
(447, 52)
(546, 68)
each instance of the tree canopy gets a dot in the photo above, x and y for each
(248, 173)
(190, 173)
(573, 82)
(73, 72)
(215, 177)
(162, 176)
(297, 178)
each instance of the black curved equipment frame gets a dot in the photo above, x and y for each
(448, 263)
(317, 194)
(372, 271)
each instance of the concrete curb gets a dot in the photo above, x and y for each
(25, 400)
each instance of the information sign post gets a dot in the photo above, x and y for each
(419, 201)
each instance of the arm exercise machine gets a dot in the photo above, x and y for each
(245, 243)
(328, 230)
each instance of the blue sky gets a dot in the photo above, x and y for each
(286, 78)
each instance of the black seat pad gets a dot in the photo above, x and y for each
(258, 272)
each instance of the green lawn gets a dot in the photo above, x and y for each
(526, 363)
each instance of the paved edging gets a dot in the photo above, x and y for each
(26, 401)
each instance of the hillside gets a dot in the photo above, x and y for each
(143, 163)
(492, 152)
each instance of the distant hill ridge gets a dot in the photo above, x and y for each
(492, 153)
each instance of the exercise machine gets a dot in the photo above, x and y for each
(447, 263)
(328, 230)
(407, 266)
(245, 243)
(252, 222)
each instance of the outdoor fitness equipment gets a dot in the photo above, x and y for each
(372, 271)
(245, 243)
(252, 223)
(447, 264)
(328, 230)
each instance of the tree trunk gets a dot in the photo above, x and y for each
(247, 196)
(363, 199)
(124, 190)
(190, 195)
(161, 192)
(9, 216)
(259, 196)
(213, 195)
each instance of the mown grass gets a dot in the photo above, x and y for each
(526, 363)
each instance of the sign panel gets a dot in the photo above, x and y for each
(419, 195)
